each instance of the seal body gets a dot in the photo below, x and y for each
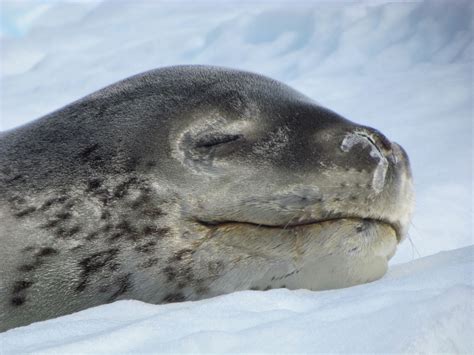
(188, 182)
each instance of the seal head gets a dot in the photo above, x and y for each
(188, 182)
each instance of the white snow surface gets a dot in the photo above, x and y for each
(421, 306)
(405, 68)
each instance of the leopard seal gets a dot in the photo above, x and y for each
(187, 182)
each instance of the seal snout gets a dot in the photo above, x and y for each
(388, 174)
(379, 149)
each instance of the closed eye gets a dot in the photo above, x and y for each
(214, 140)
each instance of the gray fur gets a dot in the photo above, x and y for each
(187, 182)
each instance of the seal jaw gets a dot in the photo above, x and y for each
(395, 226)
(328, 254)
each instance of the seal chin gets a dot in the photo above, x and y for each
(315, 255)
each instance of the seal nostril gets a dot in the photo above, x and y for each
(385, 142)
(368, 135)
(379, 140)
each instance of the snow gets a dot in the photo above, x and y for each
(422, 306)
(404, 68)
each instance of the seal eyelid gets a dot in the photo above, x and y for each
(213, 140)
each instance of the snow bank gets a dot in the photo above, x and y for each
(422, 306)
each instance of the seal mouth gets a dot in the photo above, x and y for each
(396, 227)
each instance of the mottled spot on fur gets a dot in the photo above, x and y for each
(125, 226)
(114, 266)
(27, 267)
(153, 212)
(37, 258)
(186, 235)
(132, 164)
(64, 215)
(202, 290)
(150, 229)
(107, 227)
(142, 199)
(363, 226)
(52, 201)
(105, 215)
(93, 264)
(147, 247)
(74, 230)
(17, 200)
(186, 274)
(17, 300)
(170, 273)
(115, 236)
(103, 196)
(67, 232)
(122, 189)
(215, 267)
(51, 223)
(163, 232)
(174, 297)
(47, 251)
(94, 184)
(149, 263)
(19, 286)
(92, 236)
(85, 154)
(124, 284)
(77, 247)
(104, 289)
(69, 204)
(124, 229)
(183, 253)
(14, 178)
(25, 212)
